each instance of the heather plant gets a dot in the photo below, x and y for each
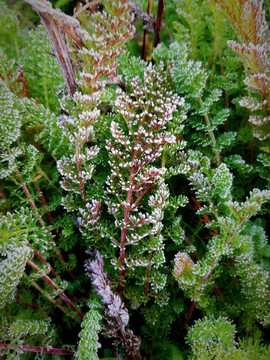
(135, 194)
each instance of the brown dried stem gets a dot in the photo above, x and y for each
(158, 23)
(146, 32)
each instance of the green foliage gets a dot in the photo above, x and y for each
(88, 345)
(161, 168)
(41, 66)
(11, 37)
(211, 335)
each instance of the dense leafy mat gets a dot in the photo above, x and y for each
(134, 180)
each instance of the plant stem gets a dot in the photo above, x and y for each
(39, 216)
(146, 32)
(148, 271)
(35, 285)
(44, 262)
(35, 251)
(54, 286)
(189, 244)
(207, 276)
(50, 181)
(210, 130)
(158, 23)
(210, 58)
(84, 7)
(51, 220)
(47, 210)
(79, 168)
(164, 156)
(36, 307)
(126, 216)
(53, 351)
(187, 318)
(4, 198)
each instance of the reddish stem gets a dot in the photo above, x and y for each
(189, 244)
(204, 281)
(56, 232)
(36, 307)
(148, 272)
(98, 236)
(126, 217)
(187, 318)
(4, 198)
(44, 261)
(70, 304)
(210, 58)
(79, 168)
(219, 294)
(48, 212)
(41, 220)
(251, 145)
(197, 258)
(53, 285)
(266, 225)
(35, 251)
(38, 349)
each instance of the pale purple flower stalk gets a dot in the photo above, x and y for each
(115, 313)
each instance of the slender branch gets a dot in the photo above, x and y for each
(44, 261)
(146, 32)
(235, 277)
(210, 58)
(35, 251)
(4, 198)
(36, 286)
(187, 318)
(54, 286)
(210, 130)
(53, 351)
(158, 23)
(189, 244)
(148, 271)
(51, 220)
(206, 277)
(36, 307)
(86, 6)
(126, 216)
(39, 216)
(48, 212)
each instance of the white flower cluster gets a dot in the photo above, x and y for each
(91, 215)
(132, 151)
(103, 45)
